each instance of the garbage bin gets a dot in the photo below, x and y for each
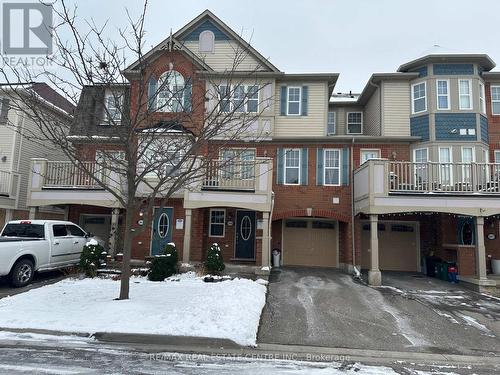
(276, 257)
(430, 264)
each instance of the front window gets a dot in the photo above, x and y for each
(292, 166)
(331, 123)
(238, 163)
(445, 170)
(163, 158)
(354, 123)
(294, 99)
(419, 99)
(482, 101)
(465, 94)
(495, 100)
(217, 221)
(239, 98)
(369, 154)
(443, 94)
(113, 103)
(497, 156)
(332, 167)
(467, 159)
(170, 92)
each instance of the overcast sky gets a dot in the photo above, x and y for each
(352, 37)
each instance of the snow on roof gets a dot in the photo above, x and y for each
(340, 97)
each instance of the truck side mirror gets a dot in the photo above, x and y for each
(89, 235)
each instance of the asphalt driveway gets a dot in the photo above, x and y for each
(40, 279)
(325, 307)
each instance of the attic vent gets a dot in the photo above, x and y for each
(207, 39)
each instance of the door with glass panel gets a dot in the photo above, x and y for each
(238, 166)
(467, 160)
(445, 167)
(421, 172)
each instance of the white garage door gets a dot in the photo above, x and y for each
(397, 244)
(310, 242)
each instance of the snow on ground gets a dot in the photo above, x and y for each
(185, 307)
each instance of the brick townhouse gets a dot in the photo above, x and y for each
(377, 180)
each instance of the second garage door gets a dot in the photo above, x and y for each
(397, 244)
(310, 242)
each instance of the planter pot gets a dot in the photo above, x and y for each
(495, 266)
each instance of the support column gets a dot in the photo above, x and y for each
(187, 236)
(8, 215)
(33, 212)
(374, 275)
(115, 214)
(66, 213)
(480, 249)
(266, 246)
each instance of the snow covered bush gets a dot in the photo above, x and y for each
(92, 258)
(164, 265)
(214, 263)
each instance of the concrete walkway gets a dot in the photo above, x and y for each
(324, 307)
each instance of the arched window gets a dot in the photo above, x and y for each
(170, 92)
(207, 39)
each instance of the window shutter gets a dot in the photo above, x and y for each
(4, 112)
(280, 167)
(319, 166)
(188, 93)
(305, 99)
(345, 166)
(303, 167)
(283, 99)
(152, 93)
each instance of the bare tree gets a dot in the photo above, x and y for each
(154, 132)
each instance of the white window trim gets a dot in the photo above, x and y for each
(210, 223)
(106, 120)
(334, 123)
(377, 150)
(464, 167)
(495, 159)
(447, 94)
(413, 97)
(347, 122)
(420, 149)
(284, 165)
(494, 101)
(339, 167)
(288, 101)
(470, 96)
(482, 98)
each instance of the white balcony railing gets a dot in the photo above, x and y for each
(430, 177)
(63, 174)
(5, 179)
(230, 175)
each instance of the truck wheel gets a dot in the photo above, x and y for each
(22, 273)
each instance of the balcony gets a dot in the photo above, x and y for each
(9, 189)
(240, 184)
(60, 182)
(383, 186)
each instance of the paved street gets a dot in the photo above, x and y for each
(324, 307)
(41, 354)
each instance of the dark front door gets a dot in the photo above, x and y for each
(245, 234)
(162, 230)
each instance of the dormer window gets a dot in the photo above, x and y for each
(170, 92)
(113, 102)
(207, 41)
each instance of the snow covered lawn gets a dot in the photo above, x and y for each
(186, 306)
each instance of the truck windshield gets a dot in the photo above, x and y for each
(23, 230)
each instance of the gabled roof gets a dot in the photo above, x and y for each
(184, 31)
(170, 43)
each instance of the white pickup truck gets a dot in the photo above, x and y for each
(27, 246)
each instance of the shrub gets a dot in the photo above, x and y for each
(164, 265)
(92, 258)
(214, 263)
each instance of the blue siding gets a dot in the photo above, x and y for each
(453, 69)
(422, 71)
(445, 123)
(206, 25)
(419, 127)
(484, 129)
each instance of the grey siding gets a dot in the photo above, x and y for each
(372, 114)
(395, 108)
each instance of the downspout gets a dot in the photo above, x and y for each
(270, 224)
(353, 234)
(21, 134)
